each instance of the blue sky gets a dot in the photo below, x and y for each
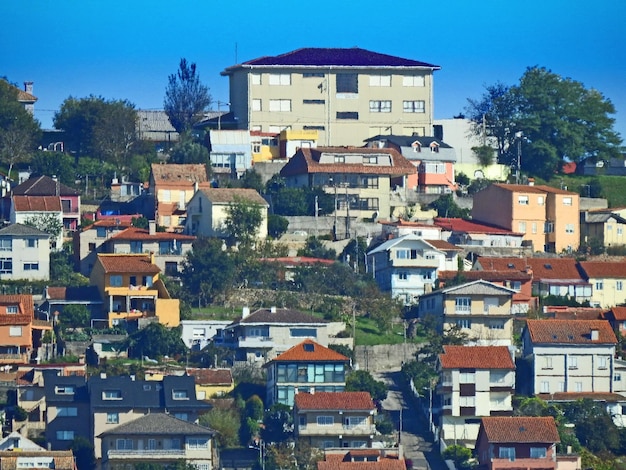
(125, 49)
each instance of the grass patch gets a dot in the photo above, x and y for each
(368, 333)
(613, 188)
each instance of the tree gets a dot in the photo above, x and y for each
(484, 154)
(48, 223)
(19, 131)
(56, 164)
(458, 454)
(61, 271)
(446, 207)
(362, 381)
(277, 225)
(243, 219)
(156, 340)
(187, 151)
(84, 453)
(277, 424)
(186, 98)
(226, 422)
(75, 316)
(314, 248)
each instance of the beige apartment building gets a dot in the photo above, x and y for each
(347, 95)
(548, 217)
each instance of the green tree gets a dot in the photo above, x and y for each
(61, 271)
(484, 154)
(362, 381)
(226, 422)
(75, 316)
(306, 456)
(277, 225)
(56, 164)
(277, 424)
(186, 98)
(188, 151)
(156, 341)
(19, 131)
(243, 219)
(314, 248)
(458, 454)
(83, 453)
(254, 408)
(446, 207)
(252, 179)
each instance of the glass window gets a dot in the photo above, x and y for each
(380, 80)
(115, 280)
(6, 244)
(180, 395)
(15, 331)
(256, 104)
(413, 80)
(380, 106)
(112, 395)
(507, 453)
(414, 106)
(467, 377)
(101, 232)
(12, 309)
(31, 266)
(136, 246)
(6, 266)
(113, 418)
(255, 78)
(522, 200)
(567, 201)
(537, 452)
(462, 304)
(63, 411)
(347, 82)
(123, 444)
(347, 115)
(325, 420)
(303, 332)
(280, 105)
(65, 435)
(280, 79)
(197, 443)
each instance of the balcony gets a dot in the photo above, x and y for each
(336, 430)
(263, 342)
(148, 454)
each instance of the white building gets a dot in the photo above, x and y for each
(25, 253)
(197, 334)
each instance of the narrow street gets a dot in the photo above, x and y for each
(414, 437)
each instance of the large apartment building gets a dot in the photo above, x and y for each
(347, 95)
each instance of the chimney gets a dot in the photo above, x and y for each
(245, 312)
(312, 390)
(273, 309)
(152, 227)
(28, 87)
(595, 334)
(56, 185)
(531, 181)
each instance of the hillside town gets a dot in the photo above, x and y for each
(321, 276)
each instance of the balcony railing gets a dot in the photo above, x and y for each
(145, 453)
(334, 430)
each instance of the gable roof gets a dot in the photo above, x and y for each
(355, 460)
(570, 332)
(469, 226)
(540, 188)
(491, 276)
(603, 269)
(230, 195)
(211, 376)
(185, 174)
(158, 424)
(309, 350)
(37, 204)
(76, 293)
(409, 237)
(332, 57)
(478, 287)
(43, 186)
(546, 269)
(21, 230)
(476, 357)
(136, 233)
(519, 429)
(128, 264)
(26, 309)
(307, 161)
(280, 316)
(616, 313)
(338, 401)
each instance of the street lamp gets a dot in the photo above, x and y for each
(518, 136)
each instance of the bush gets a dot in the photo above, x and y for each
(458, 454)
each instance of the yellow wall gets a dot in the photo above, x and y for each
(210, 391)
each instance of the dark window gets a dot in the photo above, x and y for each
(312, 74)
(313, 101)
(347, 83)
(347, 115)
(313, 128)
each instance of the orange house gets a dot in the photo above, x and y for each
(19, 331)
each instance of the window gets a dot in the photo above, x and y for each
(547, 363)
(31, 266)
(313, 128)
(12, 309)
(355, 421)
(403, 276)
(521, 227)
(548, 227)
(540, 201)
(101, 232)
(414, 106)
(497, 376)
(370, 160)
(496, 325)
(32, 243)
(15, 331)
(380, 106)
(63, 411)
(569, 228)
(280, 79)
(534, 227)
(347, 82)
(197, 443)
(325, 420)
(182, 416)
(6, 244)
(537, 452)
(599, 285)
(523, 200)
(303, 332)
(516, 285)
(567, 201)
(619, 285)
(467, 377)
(347, 115)
(620, 230)
(617, 378)
(313, 101)
(256, 104)
(136, 246)
(506, 453)
(380, 80)
(6, 266)
(112, 395)
(115, 280)
(180, 395)
(464, 323)
(413, 80)
(123, 444)
(579, 386)
(151, 444)
(602, 362)
(545, 387)
(572, 362)
(280, 105)
(255, 78)
(113, 418)
(65, 435)
(465, 402)
(64, 390)
(462, 305)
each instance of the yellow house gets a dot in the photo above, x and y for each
(607, 279)
(212, 382)
(131, 289)
(264, 146)
(607, 226)
(548, 217)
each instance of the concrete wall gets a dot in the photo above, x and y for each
(383, 357)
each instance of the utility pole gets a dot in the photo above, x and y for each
(519, 136)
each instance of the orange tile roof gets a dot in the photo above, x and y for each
(211, 376)
(520, 429)
(135, 233)
(617, 313)
(334, 401)
(469, 226)
(25, 309)
(344, 461)
(37, 203)
(570, 332)
(561, 312)
(476, 357)
(604, 269)
(179, 174)
(309, 350)
(140, 264)
(494, 263)
(56, 293)
(555, 269)
(109, 222)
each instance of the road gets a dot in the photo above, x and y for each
(415, 439)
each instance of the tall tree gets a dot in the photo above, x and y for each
(243, 219)
(186, 98)
(19, 131)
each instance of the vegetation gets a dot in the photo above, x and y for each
(186, 98)
(243, 219)
(362, 381)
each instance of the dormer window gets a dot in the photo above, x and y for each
(64, 390)
(416, 147)
(180, 395)
(112, 395)
(434, 147)
(12, 309)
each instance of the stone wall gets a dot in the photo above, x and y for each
(383, 357)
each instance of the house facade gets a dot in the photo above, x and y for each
(231, 153)
(197, 334)
(20, 332)
(130, 289)
(360, 179)
(89, 241)
(347, 95)
(479, 308)
(548, 217)
(474, 381)
(40, 211)
(607, 279)
(475, 234)
(606, 226)
(569, 356)
(211, 382)
(25, 253)
(334, 419)
(306, 367)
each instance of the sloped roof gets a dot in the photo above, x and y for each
(280, 315)
(307, 161)
(63, 459)
(491, 276)
(520, 429)
(135, 233)
(309, 350)
(476, 357)
(332, 57)
(602, 217)
(525, 188)
(128, 264)
(469, 226)
(574, 396)
(158, 424)
(90, 293)
(570, 332)
(404, 239)
(25, 303)
(555, 269)
(211, 376)
(345, 461)
(334, 401)
(408, 140)
(21, 230)
(37, 203)
(617, 313)
(478, 287)
(604, 269)
(230, 195)
(176, 173)
(443, 245)
(43, 186)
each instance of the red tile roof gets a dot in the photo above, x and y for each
(468, 226)
(491, 276)
(570, 332)
(345, 461)
(37, 203)
(25, 309)
(443, 245)
(476, 357)
(211, 376)
(616, 313)
(135, 233)
(604, 269)
(334, 401)
(109, 222)
(524, 188)
(140, 264)
(520, 429)
(559, 312)
(307, 161)
(574, 396)
(564, 269)
(407, 223)
(309, 350)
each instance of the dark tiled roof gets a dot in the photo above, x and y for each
(570, 332)
(158, 424)
(309, 350)
(37, 203)
(408, 140)
(20, 230)
(87, 293)
(53, 380)
(43, 186)
(281, 315)
(307, 161)
(476, 357)
(520, 429)
(128, 264)
(331, 401)
(337, 57)
(491, 276)
(182, 382)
